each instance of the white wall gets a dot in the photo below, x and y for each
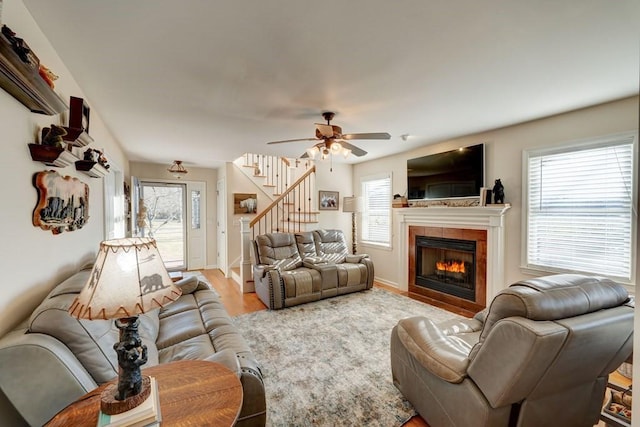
(340, 180)
(152, 171)
(34, 260)
(504, 149)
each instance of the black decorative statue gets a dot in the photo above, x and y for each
(131, 355)
(498, 192)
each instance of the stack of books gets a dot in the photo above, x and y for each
(147, 414)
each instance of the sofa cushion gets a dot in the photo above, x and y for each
(196, 327)
(90, 340)
(351, 274)
(279, 249)
(306, 244)
(301, 281)
(331, 245)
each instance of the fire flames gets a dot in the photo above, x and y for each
(450, 266)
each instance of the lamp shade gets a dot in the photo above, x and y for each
(128, 278)
(352, 204)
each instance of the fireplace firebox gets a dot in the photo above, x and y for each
(446, 265)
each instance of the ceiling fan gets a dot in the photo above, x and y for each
(331, 140)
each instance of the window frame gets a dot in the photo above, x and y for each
(379, 176)
(567, 147)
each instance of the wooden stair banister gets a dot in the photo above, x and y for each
(282, 196)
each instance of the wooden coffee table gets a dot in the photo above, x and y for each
(192, 393)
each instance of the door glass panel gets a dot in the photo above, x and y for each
(195, 209)
(163, 212)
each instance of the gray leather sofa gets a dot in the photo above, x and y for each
(292, 269)
(52, 359)
(539, 355)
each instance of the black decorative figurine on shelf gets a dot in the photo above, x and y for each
(498, 192)
(52, 136)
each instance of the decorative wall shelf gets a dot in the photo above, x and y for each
(23, 82)
(93, 169)
(52, 156)
(77, 137)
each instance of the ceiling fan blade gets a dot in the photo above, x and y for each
(379, 135)
(292, 140)
(325, 130)
(304, 156)
(357, 151)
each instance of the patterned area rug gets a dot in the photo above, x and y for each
(327, 363)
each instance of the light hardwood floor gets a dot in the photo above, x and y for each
(237, 303)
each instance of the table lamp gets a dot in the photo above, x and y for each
(354, 205)
(128, 279)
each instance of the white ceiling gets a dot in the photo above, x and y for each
(205, 81)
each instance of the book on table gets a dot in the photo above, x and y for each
(144, 415)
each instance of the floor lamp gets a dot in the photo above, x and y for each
(354, 205)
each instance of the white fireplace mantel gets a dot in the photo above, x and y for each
(489, 218)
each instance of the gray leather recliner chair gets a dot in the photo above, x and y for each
(539, 355)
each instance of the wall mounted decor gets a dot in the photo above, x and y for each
(78, 129)
(20, 77)
(63, 202)
(328, 200)
(245, 203)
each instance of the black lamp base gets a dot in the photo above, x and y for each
(131, 389)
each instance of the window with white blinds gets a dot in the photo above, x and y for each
(376, 216)
(580, 208)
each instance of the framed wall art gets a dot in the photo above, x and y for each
(245, 203)
(63, 202)
(328, 200)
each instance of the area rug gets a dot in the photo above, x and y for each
(327, 363)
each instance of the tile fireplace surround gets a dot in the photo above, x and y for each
(487, 218)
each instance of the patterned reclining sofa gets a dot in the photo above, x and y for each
(292, 269)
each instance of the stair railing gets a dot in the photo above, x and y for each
(289, 210)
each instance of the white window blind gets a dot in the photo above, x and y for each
(376, 218)
(580, 208)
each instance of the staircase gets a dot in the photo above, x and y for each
(290, 184)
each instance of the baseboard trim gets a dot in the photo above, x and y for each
(386, 282)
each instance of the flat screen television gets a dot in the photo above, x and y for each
(455, 173)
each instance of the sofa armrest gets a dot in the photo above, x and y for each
(261, 270)
(44, 376)
(313, 260)
(438, 353)
(268, 285)
(355, 259)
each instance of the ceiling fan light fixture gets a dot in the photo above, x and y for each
(346, 152)
(177, 170)
(325, 152)
(336, 147)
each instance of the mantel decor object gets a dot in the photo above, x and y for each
(128, 279)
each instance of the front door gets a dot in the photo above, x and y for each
(162, 217)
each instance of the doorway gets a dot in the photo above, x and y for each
(161, 216)
(221, 226)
